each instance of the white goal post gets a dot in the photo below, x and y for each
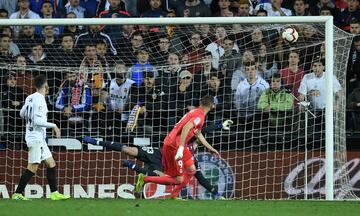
(329, 55)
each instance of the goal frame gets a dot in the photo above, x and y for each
(329, 55)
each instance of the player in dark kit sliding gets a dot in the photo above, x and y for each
(152, 156)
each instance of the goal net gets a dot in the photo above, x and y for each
(132, 83)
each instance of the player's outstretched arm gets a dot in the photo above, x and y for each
(131, 151)
(203, 141)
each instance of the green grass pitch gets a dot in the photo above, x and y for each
(102, 207)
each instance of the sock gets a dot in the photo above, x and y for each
(205, 183)
(144, 171)
(164, 180)
(51, 177)
(177, 189)
(26, 176)
(112, 145)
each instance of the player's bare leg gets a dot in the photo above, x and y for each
(51, 178)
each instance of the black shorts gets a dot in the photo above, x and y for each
(151, 157)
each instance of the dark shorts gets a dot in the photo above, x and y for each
(151, 157)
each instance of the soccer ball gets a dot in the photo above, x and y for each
(290, 35)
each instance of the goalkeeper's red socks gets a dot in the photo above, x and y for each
(164, 180)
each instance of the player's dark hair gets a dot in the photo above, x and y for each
(39, 81)
(2, 10)
(262, 11)
(207, 101)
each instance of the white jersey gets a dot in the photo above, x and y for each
(119, 95)
(312, 82)
(247, 95)
(35, 112)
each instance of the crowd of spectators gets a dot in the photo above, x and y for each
(98, 73)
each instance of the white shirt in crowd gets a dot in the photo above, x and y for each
(271, 12)
(119, 95)
(312, 82)
(217, 51)
(35, 112)
(247, 95)
(29, 15)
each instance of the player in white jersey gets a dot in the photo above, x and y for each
(34, 112)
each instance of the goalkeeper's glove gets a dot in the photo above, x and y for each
(90, 140)
(179, 153)
(128, 164)
(227, 124)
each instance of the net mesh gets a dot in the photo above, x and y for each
(98, 79)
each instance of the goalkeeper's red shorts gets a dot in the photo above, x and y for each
(171, 166)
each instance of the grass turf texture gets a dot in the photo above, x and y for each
(113, 207)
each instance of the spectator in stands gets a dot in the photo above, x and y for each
(161, 53)
(51, 43)
(182, 97)
(274, 8)
(224, 9)
(12, 97)
(26, 39)
(119, 93)
(92, 6)
(194, 53)
(261, 12)
(344, 17)
(72, 29)
(124, 38)
(24, 78)
(206, 36)
(128, 54)
(315, 10)
(300, 8)
(74, 6)
(115, 11)
(151, 100)
(203, 76)
(72, 100)
(169, 75)
(326, 11)
(244, 8)
(14, 49)
(353, 66)
(155, 9)
(24, 12)
(293, 74)
(266, 62)
(65, 54)
(4, 14)
(355, 26)
(353, 103)
(92, 36)
(222, 97)
(47, 10)
(229, 62)
(142, 65)
(12, 94)
(192, 8)
(276, 101)
(38, 56)
(248, 93)
(312, 87)
(6, 54)
(9, 6)
(240, 73)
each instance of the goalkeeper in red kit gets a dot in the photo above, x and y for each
(177, 159)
